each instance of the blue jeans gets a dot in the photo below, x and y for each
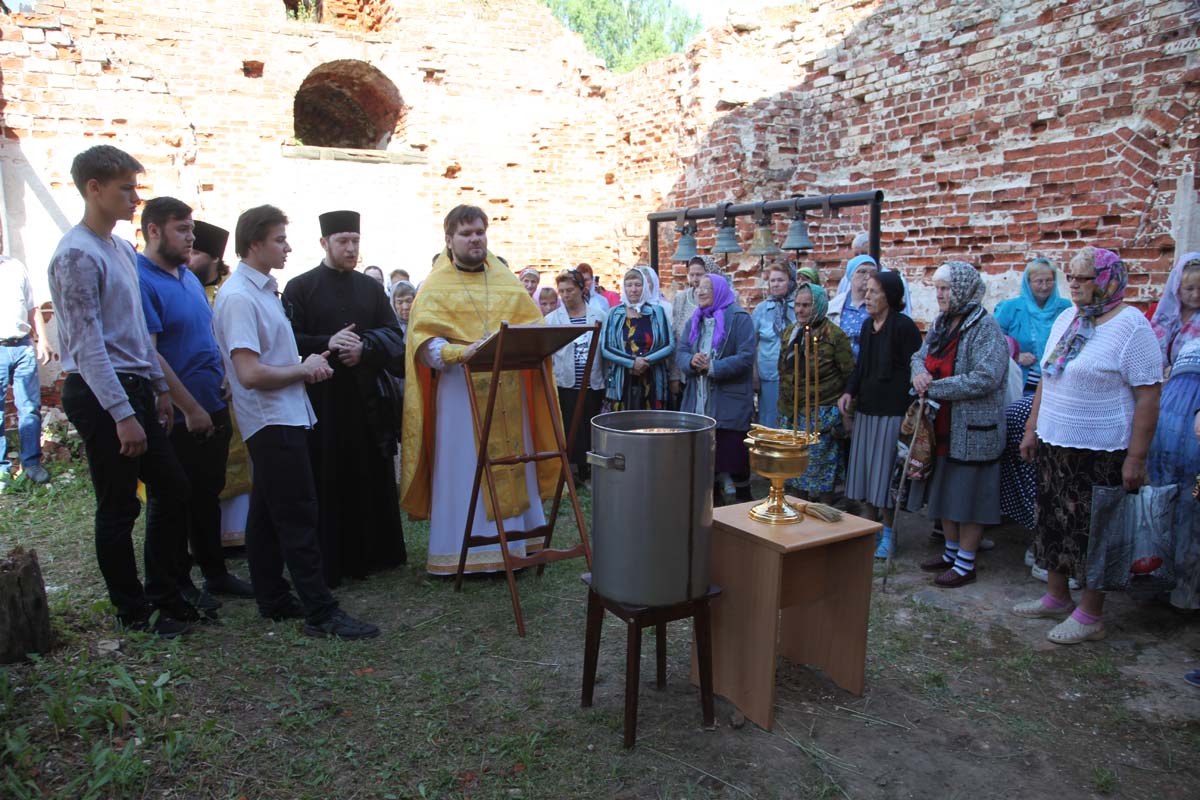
(768, 403)
(18, 364)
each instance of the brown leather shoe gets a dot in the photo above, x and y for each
(952, 580)
(935, 564)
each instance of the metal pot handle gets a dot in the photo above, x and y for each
(616, 462)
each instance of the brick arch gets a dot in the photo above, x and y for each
(347, 103)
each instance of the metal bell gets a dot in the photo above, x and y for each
(797, 235)
(685, 248)
(764, 242)
(727, 240)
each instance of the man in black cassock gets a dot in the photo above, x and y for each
(335, 308)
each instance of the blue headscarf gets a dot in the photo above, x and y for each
(1026, 321)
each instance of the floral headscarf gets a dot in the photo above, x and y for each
(966, 292)
(1168, 321)
(723, 298)
(1111, 280)
(819, 311)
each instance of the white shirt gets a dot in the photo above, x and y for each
(1089, 405)
(564, 359)
(16, 299)
(248, 315)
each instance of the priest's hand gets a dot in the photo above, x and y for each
(345, 339)
(350, 356)
(472, 349)
(316, 368)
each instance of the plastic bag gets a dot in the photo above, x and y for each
(1132, 541)
(917, 441)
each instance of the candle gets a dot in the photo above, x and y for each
(807, 407)
(817, 381)
(796, 387)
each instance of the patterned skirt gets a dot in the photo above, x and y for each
(826, 465)
(1065, 477)
(1018, 479)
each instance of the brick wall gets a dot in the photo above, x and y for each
(997, 131)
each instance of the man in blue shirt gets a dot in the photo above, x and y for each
(179, 320)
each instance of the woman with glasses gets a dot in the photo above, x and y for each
(1092, 422)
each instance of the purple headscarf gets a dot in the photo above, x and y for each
(723, 298)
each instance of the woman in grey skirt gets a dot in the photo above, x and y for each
(963, 365)
(876, 398)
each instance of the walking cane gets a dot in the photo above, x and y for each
(887, 565)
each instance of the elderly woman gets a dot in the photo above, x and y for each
(834, 363)
(403, 294)
(1175, 320)
(717, 355)
(636, 343)
(1028, 318)
(878, 390)
(1091, 425)
(848, 309)
(770, 318)
(963, 365)
(570, 362)
(1174, 453)
(682, 308)
(530, 278)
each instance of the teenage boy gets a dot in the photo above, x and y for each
(179, 319)
(273, 411)
(116, 396)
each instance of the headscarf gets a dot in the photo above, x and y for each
(851, 266)
(781, 307)
(723, 298)
(1168, 321)
(1027, 321)
(1111, 279)
(537, 274)
(809, 274)
(966, 292)
(646, 289)
(819, 311)
(650, 286)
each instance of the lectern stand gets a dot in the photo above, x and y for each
(524, 348)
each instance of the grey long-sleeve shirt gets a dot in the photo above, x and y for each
(98, 306)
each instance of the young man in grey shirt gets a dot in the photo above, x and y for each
(116, 396)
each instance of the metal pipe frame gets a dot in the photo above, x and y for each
(794, 205)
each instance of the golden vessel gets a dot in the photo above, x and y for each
(778, 454)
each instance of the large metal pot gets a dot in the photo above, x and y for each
(652, 478)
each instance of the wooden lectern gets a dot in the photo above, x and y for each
(524, 348)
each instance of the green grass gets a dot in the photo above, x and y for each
(450, 702)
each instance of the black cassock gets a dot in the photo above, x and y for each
(354, 441)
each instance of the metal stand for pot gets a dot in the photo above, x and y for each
(527, 349)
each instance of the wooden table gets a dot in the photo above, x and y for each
(817, 573)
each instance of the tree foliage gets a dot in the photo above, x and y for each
(627, 33)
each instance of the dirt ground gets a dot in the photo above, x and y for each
(963, 700)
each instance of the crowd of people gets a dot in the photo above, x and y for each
(346, 391)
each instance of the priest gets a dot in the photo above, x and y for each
(333, 307)
(468, 293)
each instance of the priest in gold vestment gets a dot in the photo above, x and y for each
(467, 295)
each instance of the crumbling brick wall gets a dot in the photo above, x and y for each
(997, 131)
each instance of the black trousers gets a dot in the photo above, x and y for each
(593, 400)
(281, 528)
(115, 477)
(203, 460)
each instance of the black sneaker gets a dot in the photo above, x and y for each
(288, 609)
(156, 623)
(202, 600)
(229, 585)
(341, 626)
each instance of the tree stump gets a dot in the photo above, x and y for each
(24, 615)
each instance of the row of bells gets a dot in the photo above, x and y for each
(762, 245)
